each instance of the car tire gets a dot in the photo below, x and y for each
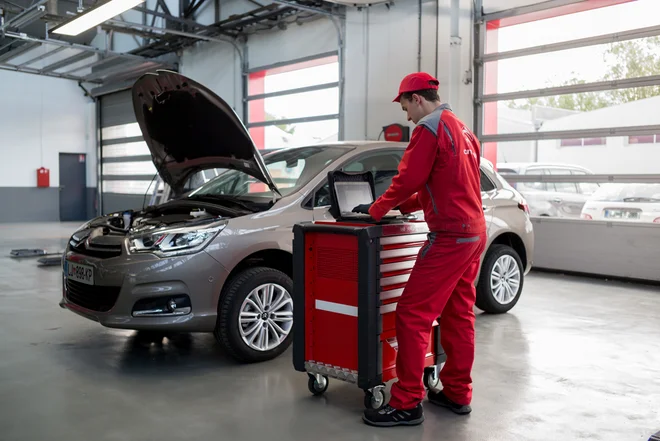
(498, 259)
(229, 330)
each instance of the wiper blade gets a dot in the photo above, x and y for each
(641, 199)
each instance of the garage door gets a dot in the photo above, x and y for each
(127, 172)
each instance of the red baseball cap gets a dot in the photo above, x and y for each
(414, 82)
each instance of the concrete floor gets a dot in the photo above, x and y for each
(576, 359)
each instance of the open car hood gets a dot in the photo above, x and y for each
(188, 128)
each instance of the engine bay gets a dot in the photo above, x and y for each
(183, 216)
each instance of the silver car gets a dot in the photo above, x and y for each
(559, 199)
(219, 258)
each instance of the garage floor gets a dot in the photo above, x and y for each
(576, 359)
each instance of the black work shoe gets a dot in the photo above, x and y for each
(389, 416)
(440, 399)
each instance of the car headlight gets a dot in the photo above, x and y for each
(175, 242)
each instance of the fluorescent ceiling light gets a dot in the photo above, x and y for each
(96, 16)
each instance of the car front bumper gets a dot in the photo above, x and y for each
(127, 279)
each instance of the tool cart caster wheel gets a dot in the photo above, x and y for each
(431, 378)
(317, 384)
(375, 398)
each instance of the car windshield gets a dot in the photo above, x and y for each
(291, 169)
(628, 193)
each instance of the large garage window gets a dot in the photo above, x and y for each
(128, 175)
(576, 87)
(294, 104)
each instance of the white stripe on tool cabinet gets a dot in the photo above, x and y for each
(386, 309)
(408, 238)
(394, 280)
(400, 252)
(392, 293)
(397, 266)
(337, 308)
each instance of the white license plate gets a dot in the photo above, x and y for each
(80, 273)
(621, 214)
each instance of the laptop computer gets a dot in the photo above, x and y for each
(348, 190)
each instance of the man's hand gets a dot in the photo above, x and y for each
(362, 208)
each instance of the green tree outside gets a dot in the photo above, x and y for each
(627, 59)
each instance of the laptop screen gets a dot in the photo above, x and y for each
(352, 194)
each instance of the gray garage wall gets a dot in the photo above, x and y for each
(618, 249)
(40, 118)
(383, 45)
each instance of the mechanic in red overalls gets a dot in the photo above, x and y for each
(439, 173)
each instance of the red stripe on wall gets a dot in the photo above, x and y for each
(490, 109)
(257, 109)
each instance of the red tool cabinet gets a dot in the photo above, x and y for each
(348, 277)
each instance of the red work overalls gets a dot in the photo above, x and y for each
(439, 173)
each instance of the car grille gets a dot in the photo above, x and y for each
(92, 297)
(102, 251)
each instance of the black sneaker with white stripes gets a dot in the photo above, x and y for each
(389, 416)
(440, 399)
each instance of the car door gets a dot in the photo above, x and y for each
(566, 199)
(383, 164)
(488, 191)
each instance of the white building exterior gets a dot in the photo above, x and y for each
(617, 154)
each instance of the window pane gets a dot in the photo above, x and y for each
(592, 110)
(623, 17)
(567, 200)
(127, 187)
(299, 105)
(121, 131)
(648, 139)
(265, 82)
(486, 184)
(384, 166)
(565, 187)
(322, 196)
(327, 73)
(570, 142)
(301, 134)
(127, 149)
(286, 175)
(538, 157)
(627, 59)
(129, 168)
(593, 141)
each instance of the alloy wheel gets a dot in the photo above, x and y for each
(266, 317)
(505, 279)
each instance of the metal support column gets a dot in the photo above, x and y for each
(479, 39)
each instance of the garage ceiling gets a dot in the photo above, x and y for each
(26, 46)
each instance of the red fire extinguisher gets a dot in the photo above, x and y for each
(43, 177)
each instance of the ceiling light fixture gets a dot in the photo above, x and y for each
(95, 16)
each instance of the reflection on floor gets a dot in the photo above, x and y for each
(576, 359)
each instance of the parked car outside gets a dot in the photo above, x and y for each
(219, 258)
(625, 203)
(558, 199)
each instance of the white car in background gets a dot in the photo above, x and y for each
(552, 199)
(624, 202)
